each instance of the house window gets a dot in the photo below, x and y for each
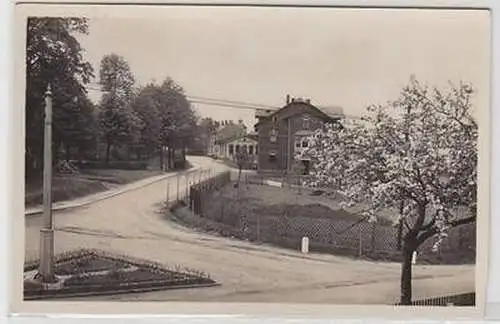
(231, 149)
(250, 149)
(273, 135)
(297, 143)
(256, 149)
(306, 122)
(305, 143)
(237, 148)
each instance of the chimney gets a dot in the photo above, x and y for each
(287, 99)
(308, 100)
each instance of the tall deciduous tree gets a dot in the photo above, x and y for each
(420, 152)
(53, 55)
(206, 129)
(118, 122)
(168, 119)
(146, 106)
(178, 119)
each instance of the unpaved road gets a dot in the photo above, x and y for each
(130, 224)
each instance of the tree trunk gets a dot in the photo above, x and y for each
(68, 152)
(169, 159)
(161, 159)
(108, 152)
(400, 226)
(406, 274)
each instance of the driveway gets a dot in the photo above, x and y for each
(130, 224)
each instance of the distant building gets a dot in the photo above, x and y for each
(285, 131)
(230, 138)
(248, 142)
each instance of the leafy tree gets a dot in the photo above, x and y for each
(53, 55)
(146, 106)
(168, 119)
(178, 119)
(418, 153)
(77, 125)
(119, 124)
(206, 129)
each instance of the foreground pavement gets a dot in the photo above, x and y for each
(130, 224)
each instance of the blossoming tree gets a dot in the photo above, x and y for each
(417, 155)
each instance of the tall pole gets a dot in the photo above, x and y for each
(47, 232)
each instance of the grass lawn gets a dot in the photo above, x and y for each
(282, 216)
(87, 182)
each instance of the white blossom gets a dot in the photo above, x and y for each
(420, 149)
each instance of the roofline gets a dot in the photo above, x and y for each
(304, 103)
(249, 136)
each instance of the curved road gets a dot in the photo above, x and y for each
(130, 224)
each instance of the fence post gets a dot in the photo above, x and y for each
(178, 180)
(190, 198)
(167, 198)
(201, 203)
(258, 227)
(372, 241)
(360, 243)
(187, 187)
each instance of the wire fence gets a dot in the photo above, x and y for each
(467, 299)
(229, 212)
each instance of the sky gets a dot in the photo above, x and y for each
(344, 57)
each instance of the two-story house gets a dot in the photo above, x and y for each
(282, 133)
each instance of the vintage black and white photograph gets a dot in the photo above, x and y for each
(255, 155)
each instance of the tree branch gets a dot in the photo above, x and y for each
(429, 232)
(463, 221)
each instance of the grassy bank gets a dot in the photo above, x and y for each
(282, 216)
(85, 182)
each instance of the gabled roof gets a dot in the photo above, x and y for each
(252, 137)
(331, 112)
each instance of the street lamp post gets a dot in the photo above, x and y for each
(47, 232)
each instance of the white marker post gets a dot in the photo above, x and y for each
(414, 257)
(305, 245)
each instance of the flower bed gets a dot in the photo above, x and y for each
(92, 272)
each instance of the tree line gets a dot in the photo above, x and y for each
(130, 122)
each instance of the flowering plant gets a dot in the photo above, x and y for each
(417, 154)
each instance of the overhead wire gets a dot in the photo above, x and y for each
(228, 103)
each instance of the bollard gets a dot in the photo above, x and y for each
(414, 257)
(305, 245)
